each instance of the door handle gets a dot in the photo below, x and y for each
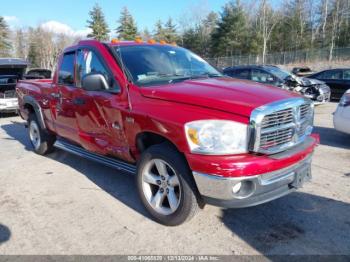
(56, 95)
(79, 101)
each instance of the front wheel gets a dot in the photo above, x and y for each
(166, 186)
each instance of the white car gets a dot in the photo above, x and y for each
(341, 117)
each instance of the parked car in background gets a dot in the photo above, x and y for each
(11, 70)
(316, 90)
(191, 135)
(38, 73)
(341, 117)
(337, 79)
(302, 71)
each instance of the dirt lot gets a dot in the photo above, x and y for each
(62, 204)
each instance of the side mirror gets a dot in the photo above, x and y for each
(94, 82)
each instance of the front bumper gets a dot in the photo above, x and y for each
(256, 189)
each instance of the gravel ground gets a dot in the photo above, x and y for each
(62, 204)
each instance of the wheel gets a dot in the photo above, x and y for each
(40, 139)
(166, 185)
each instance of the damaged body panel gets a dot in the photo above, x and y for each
(316, 90)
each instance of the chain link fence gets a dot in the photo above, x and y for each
(284, 58)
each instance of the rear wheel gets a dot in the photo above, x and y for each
(166, 186)
(40, 139)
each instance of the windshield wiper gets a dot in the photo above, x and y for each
(205, 74)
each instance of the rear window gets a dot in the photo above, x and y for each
(66, 72)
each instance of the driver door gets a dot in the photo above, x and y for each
(99, 113)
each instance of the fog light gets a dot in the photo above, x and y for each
(243, 189)
(236, 187)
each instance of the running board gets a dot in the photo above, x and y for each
(108, 161)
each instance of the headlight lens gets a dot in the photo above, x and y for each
(217, 137)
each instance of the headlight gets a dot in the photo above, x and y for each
(217, 137)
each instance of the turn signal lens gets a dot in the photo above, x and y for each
(115, 41)
(193, 135)
(151, 41)
(162, 42)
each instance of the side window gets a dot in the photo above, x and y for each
(88, 62)
(66, 72)
(262, 76)
(331, 74)
(346, 74)
(241, 73)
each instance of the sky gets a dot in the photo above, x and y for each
(70, 16)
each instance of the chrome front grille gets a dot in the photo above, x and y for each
(278, 126)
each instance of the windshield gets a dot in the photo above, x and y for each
(159, 64)
(281, 74)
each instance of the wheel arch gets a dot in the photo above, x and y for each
(30, 104)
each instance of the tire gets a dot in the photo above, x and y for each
(40, 139)
(158, 190)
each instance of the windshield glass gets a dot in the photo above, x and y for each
(159, 64)
(281, 74)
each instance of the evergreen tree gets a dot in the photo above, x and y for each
(159, 32)
(5, 44)
(98, 24)
(127, 29)
(231, 35)
(170, 34)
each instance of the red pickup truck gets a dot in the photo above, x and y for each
(191, 135)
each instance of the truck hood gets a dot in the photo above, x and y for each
(235, 96)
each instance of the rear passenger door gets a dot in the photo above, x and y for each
(64, 92)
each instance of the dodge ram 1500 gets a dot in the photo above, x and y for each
(191, 135)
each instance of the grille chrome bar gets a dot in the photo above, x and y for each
(280, 125)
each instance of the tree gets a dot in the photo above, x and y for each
(98, 24)
(170, 34)
(146, 35)
(127, 29)
(21, 44)
(267, 22)
(231, 35)
(159, 31)
(5, 44)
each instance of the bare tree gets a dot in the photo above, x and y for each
(267, 22)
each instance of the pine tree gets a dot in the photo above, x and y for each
(5, 44)
(159, 32)
(170, 34)
(98, 24)
(127, 29)
(231, 35)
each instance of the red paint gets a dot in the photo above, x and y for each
(161, 110)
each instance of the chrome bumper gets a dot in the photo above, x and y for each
(254, 190)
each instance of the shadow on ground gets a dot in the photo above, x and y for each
(5, 234)
(332, 137)
(118, 184)
(304, 223)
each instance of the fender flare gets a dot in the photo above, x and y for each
(37, 109)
